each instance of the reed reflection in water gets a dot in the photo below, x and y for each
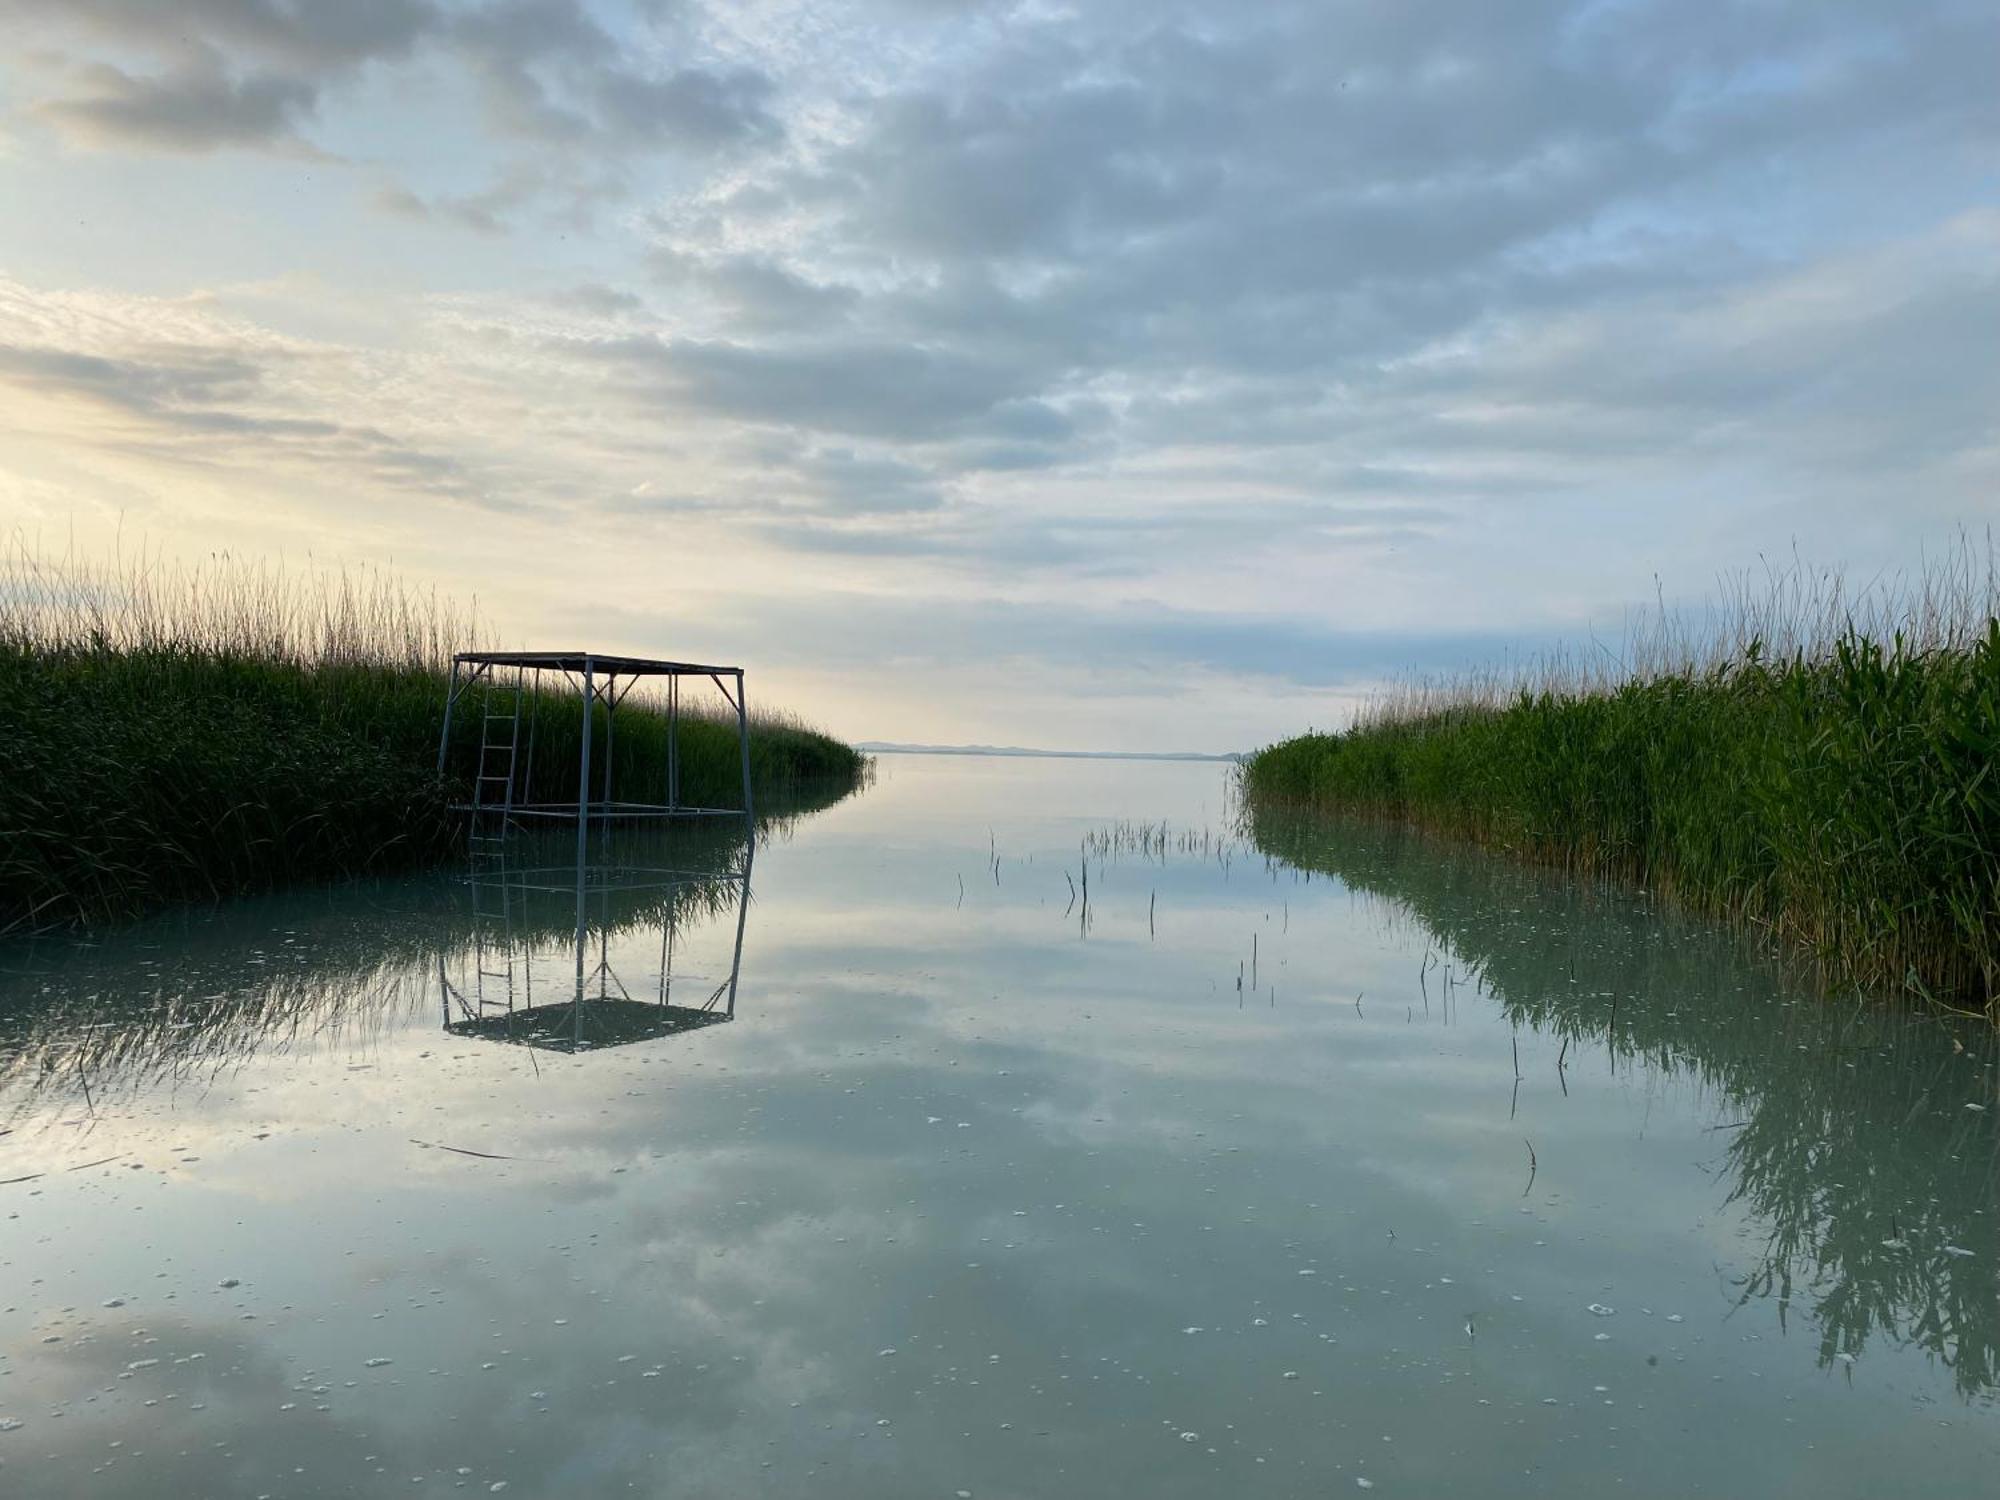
(1863, 1141)
(173, 1002)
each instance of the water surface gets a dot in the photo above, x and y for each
(1027, 1132)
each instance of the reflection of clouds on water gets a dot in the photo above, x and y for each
(1843, 1126)
(144, 1402)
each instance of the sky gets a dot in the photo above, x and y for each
(1133, 374)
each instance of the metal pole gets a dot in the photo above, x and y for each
(583, 817)
(610, 732)
(450, 702)
(667, 949)
(743, 746)
(534, 714)
(742, 912)
(673, 741)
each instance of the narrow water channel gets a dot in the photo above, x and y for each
(1018, 1129)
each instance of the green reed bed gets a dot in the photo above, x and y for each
(1837, 790)
(192, 733)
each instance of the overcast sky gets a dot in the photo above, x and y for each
(1108, 375)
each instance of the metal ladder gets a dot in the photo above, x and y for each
(498, 959)
(493, 783)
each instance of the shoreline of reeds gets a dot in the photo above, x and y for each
(1819, 768)
(179, 733)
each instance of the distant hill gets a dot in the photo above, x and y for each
(883, 747)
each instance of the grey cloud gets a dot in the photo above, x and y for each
(879, 390)
(245, 72)
(550, 70)
(233, 73)
(189, 109)
(1310, 189)
(755, 292)
(174, 395)
(468, 213)
(599, 301)
(691, 104)
(1120, 544)
(857, 484)
(308, 34)
(169, 377)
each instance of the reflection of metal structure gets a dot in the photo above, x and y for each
(591, 1005)
(503, 785)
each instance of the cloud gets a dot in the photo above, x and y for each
(480, 213)
(550, 71)
(691, 105)
(231, 73)
(301, 34)
(753, 292)
(880, 390)
(599, 301)
(178, 386)
(190, 109)
(248, 73)
(841, 480)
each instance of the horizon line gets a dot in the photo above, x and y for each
(897, 747)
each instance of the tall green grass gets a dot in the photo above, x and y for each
(175, 732)
(1817, 767)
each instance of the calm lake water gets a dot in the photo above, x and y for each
(1219, 1182)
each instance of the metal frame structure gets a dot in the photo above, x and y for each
(596, 678)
